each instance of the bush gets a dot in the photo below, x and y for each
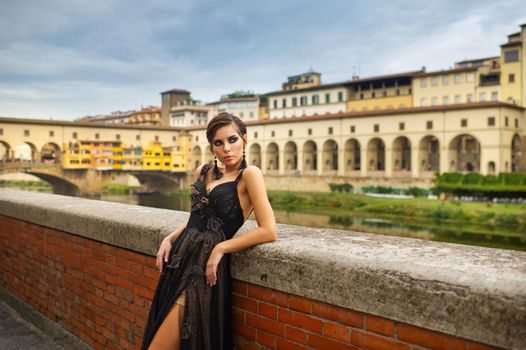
(340, 187)
(513, 178)
(450, 178)
(472, 179)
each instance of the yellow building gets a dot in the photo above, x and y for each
(77, 155)
(103, 157)
(132, 158)
(116, 156)
(152, 156)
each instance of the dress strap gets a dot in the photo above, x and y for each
(239, 176)
(204, 170)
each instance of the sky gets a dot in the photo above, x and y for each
(63, 59)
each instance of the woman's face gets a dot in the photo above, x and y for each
(227, 145)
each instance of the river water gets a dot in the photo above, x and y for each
(480, 235)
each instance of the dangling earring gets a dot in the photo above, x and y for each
(216, 173)
(243, 161)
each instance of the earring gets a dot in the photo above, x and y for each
(216, 173)
(243, 161)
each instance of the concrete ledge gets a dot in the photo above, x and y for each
(470, 292)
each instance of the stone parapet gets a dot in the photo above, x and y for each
(467, 292)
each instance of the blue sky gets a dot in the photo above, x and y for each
(65, 59)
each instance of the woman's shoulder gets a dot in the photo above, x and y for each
(252, 171)
(201, 169)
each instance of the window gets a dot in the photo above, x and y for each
(74, 135)
(401, 126)
(174, 138)
(156, 137)
(491, 121)
(251, 114)
(294, 101)
(482, 97)
(494, 95)
(434, 101)
(445, 80)
(376, 127)
(309, 132)
(458, 78)
(373, 94)
(423, 82)
(511, 56)
(423, 101)
(137, 137)
(97, 136)
(315, 99)
(330, 130)
(445, 100)
(272, 133)
(516, 122)
(429, 125)
(434, 81)
(327, 98)
(117, 137)
(469, 98)
(384, 93)
(463, 123)
(506, 121)
(397, 92)
(340, 96)
(26, 132)
(51, 133)
(361, 96)
(458, 99)
(511, 78)
(284, 103)
(303, 100)
(256, 135)
(290, 132)
(1, 131)
(275, 104)
(470, 77)
(353, 129)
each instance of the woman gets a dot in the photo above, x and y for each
(191, 305)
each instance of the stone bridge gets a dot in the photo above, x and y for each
(90, 181)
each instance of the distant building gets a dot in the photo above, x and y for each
(189, 113)
(145, 116)
(242, 104)
(170, 99)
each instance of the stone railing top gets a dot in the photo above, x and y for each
(471, 292)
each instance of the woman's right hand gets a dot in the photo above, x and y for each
(163, 253)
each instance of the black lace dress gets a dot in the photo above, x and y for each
(215, 217)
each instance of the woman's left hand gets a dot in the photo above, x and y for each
(211, 266)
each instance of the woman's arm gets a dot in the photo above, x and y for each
(265, 232)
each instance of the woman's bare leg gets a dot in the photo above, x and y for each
(168, 334)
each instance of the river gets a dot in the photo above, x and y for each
(480, 235)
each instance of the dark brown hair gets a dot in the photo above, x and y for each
(224, 119)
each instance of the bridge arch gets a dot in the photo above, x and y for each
(291, 156)
(429, 154)
(59, 184)
(51, 153)
(26, 151)
(310, 156)
(272, 157)
(376, 155)
(6, 152)
(330, 156)
(351, 155)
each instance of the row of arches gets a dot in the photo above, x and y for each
(26, 151)
(463, 155)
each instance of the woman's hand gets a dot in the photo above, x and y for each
(163, 253)
(212, 264)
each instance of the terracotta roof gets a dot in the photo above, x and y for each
(65, 123)
(379, 113)
(478, 59)
(176, 91)
(516, 43)
(447, 71)
(383, 77)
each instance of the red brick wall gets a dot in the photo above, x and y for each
(102, 294)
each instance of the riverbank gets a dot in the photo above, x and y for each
(26, 185)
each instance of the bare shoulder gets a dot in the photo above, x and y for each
(252, 172)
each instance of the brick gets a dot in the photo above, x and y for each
(268, 295)
(284, 344)
(336, 331)
(379, 325)
(243, 344)
(298, 335)
(300, 320)
(429, 339)
(376, 342)
(245, 303)
(267, 310)
(245, 331)
(338, 314)
(265, 324)
(239, 287)
(266, 339)
(357, 338)
(319, 342)
(300, 304)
